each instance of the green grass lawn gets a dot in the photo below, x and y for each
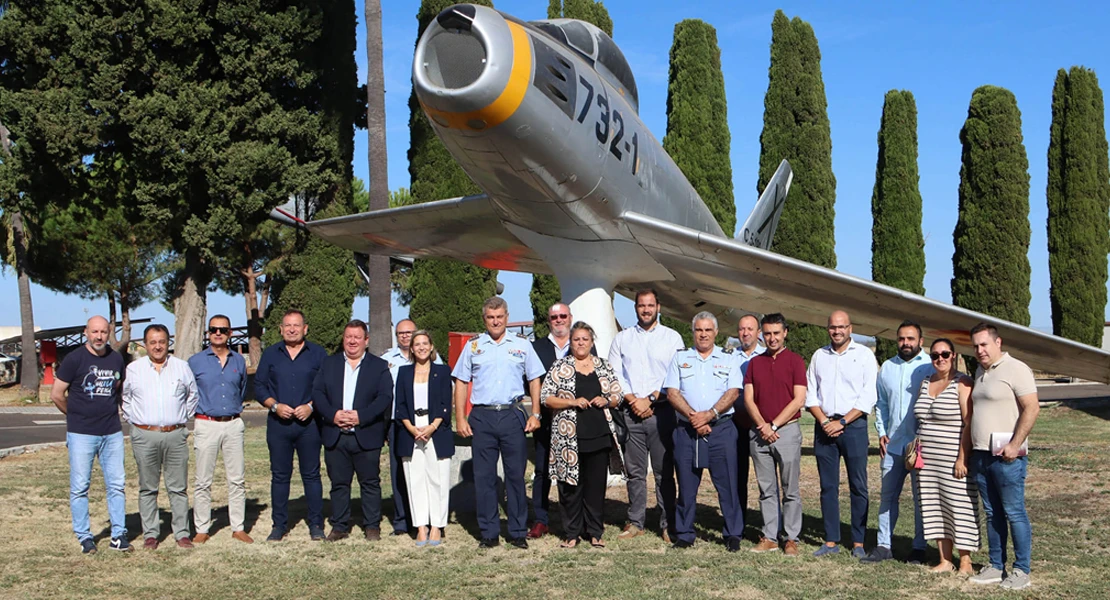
(1067, 491)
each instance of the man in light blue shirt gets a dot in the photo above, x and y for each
(703, 384)
(396, 357)
(497, 364)
(747, 331)
(898, 387)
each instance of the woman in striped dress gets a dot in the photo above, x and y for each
(949, 499)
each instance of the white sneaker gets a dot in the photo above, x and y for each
(987, 575)
(1016, 580)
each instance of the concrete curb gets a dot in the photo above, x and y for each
(17, 450)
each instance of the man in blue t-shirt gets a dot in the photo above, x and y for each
(93, 375)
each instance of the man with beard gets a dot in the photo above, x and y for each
(93, 430)
(898, 386)
(640, 356)
(840, 393)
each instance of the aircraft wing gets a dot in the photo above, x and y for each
(717, 274)
(466, 229)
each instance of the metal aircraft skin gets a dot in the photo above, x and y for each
(543, 117)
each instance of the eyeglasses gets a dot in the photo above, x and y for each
(219, 330)
(400, 333)
(838, 327)
(558, 317)
(939, 355)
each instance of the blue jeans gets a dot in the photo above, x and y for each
(82, 450)
(893, 468)
(283, 438)
(852, 445)
(1002, 488)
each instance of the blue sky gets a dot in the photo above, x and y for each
(940, 51)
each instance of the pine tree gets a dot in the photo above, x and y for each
(796, 128)
(545, 288)
(897, 246)
(1078, 204)
(446, 296)
(990, 267)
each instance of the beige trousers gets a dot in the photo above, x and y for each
(209, 438)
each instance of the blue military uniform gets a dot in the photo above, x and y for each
(400, 487)
(498, 371)
(702, 382)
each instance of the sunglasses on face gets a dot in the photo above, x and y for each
(558, 317)
(939, 355)
(219, 330)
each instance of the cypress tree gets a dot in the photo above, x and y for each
(897, 246)
(446, 295)
(545, 288)
(990, 267)
(1078, 206)
(796, 128)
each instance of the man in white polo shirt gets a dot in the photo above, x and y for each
(1004, 406)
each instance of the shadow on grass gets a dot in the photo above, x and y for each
(1096, 407)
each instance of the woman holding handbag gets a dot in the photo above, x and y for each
(949, 498)
(581, 390)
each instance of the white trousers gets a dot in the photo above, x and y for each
(429, 482)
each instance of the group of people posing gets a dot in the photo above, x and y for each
(650, 401)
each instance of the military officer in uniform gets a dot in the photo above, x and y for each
(497, 364)
(702, 384)
(398, 356)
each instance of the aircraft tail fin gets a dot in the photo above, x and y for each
(760, 227)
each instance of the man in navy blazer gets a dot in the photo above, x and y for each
(353, 393)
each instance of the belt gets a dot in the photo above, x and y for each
(835, 417)
(219, 419)
(165, 429)
(421, 412)
(723, 417)
(494, 407)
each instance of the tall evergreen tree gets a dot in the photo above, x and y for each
(697, 135)
(897, 246)
(446, 296)
(990, 266)
(1078, 207)
(796, 128)
(545, 288)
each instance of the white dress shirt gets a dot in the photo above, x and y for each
(640, 357)
(350, 380)
(159, 398)
(559, 352)
(839, 382)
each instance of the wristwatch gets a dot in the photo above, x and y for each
(826, 421)
(715, 413)
(843, 423)
(774, 428)
(537, 416)
(652, 397)
(273, 407)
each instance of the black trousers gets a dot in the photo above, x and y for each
(584, 503)
(743, 468)
(344, 460)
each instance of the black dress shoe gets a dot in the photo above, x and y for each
(680, 544)
(917, 557)
(316, 533)
(519, 543)
(276, 535)
(489, 543)
(399, 532)
(733, 544)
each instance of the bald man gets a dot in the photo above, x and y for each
(92, 376)
(840, 393)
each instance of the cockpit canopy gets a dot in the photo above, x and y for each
(597, 48)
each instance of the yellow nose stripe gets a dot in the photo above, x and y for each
(505, 104)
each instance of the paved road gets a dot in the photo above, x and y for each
(40, 424)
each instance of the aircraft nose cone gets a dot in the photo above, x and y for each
(454, 56)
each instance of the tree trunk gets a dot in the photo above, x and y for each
(29, 378)
(112, 340)
(254, 313)
(189, 307)
(380, 314)
(125, 324)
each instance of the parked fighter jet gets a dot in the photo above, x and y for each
(543, 117)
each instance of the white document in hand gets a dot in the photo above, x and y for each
(1000, 439)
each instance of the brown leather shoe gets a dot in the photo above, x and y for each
(667, 536)
(372, 534)
(791, 548)
(336, 535)
(200, 538)
(150, 544)
(766, 545)
(242, 537)
(185, 543)
(630, 531)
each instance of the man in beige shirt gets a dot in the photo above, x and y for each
(1003, 404)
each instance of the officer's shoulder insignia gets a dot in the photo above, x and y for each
(728, 350)
(475, 336)
(522, 336)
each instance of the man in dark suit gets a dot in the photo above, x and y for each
(353, 393)
(549, 349)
